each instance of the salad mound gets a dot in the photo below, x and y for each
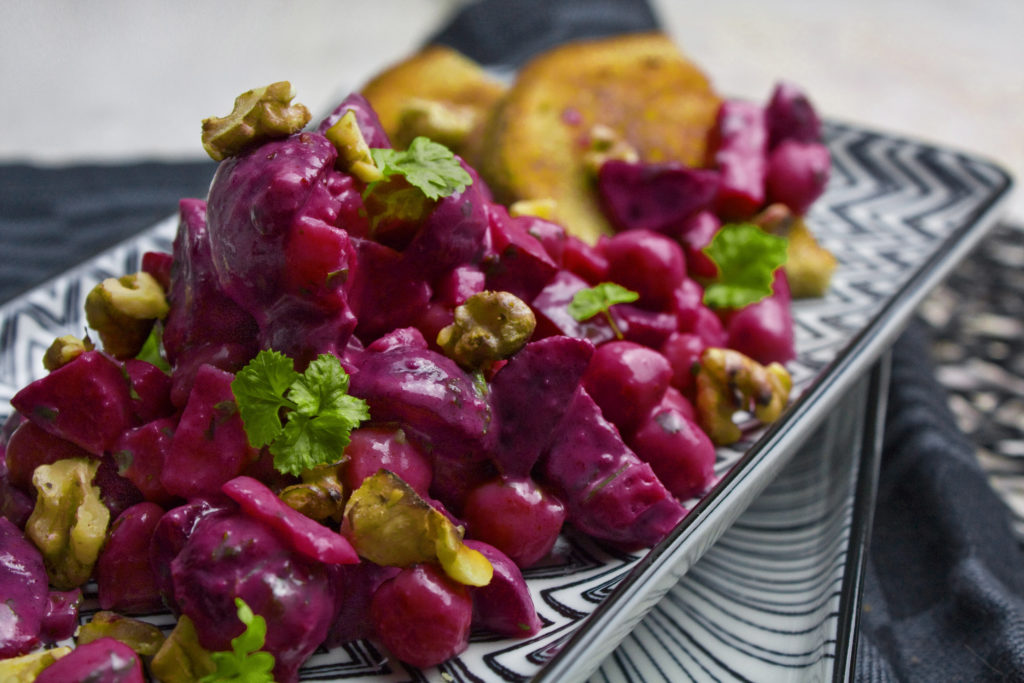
(360, 396)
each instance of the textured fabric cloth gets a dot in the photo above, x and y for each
(945, 576)
(944, 594)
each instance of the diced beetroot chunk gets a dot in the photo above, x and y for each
(23, 592)
(644, 196)
(797, 174)
(504, 605)
(303, 534)
(677, 450)
(86, 402)
(104, 660)
(158, 264)
(626, 380)
(530, 395)
(140, 454)
(608, 491)
(459, 284)
(791, 116)
(124, 577)
(521, 264)
(764, 330)
(151, 395)
(683, 349)
(209, 446)
(585, 260)
(60, 621)
(694, 235)
(374, 448)
(30, 446)
(738, 149)
(421, 616)
(516, 516)
(648, 263)
(366, 118)
(552, 236)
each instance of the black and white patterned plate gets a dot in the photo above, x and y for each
(898, 215)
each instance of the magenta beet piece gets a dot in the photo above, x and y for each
(530, 395)
(87, 402)
(408, 338)
(104, 660)
(764, 330)
(520, 265)
(355, 586)
(61, 617)
(303, 535)
(798, 173)
(644, 196)
(116, 492)
(430, 397)
(609, 493)
(209, 446)
(453, 480)
(678, 451)
(171, 534)
(421, 616)
(123, 575)
(23, 592)
(455, 233)
(791, 116)
(201, 314)
(551, 307)
(644, 327)
(366, 118)
(226, 356)
(158, 264)
(626, 380)
(738, 147)
(231, 555)
(585, 260)
(375, 448)
(682, 350)
(151, 390)
(675, 400)
(30, 446)
(384, 296)
(140, 455)
(552, 236)
(516, 516)
(649, 263)
(504, 606)
(454, 287)
(694, 235)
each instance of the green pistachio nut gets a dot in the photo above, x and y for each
(69, 521)
(145, 638)
(65, 349)
(490, 326)
(353, 152)
(259, 115)
(181, 659)
(123, 310)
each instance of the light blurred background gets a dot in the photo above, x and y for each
(115, 80)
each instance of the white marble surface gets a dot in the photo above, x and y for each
(112, 80)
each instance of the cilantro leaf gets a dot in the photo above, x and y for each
(246, 662)
(259, 390)
(747, 258)
(587, 303)
(425, 164)
(319, 413)
(151, 349)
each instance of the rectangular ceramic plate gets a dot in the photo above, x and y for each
(898, 215)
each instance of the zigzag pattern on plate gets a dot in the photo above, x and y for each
(891, 207)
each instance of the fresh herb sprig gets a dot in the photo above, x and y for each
(599, 299)
(247, 662)
(747, 258)
(425, 164)
(319, 414)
